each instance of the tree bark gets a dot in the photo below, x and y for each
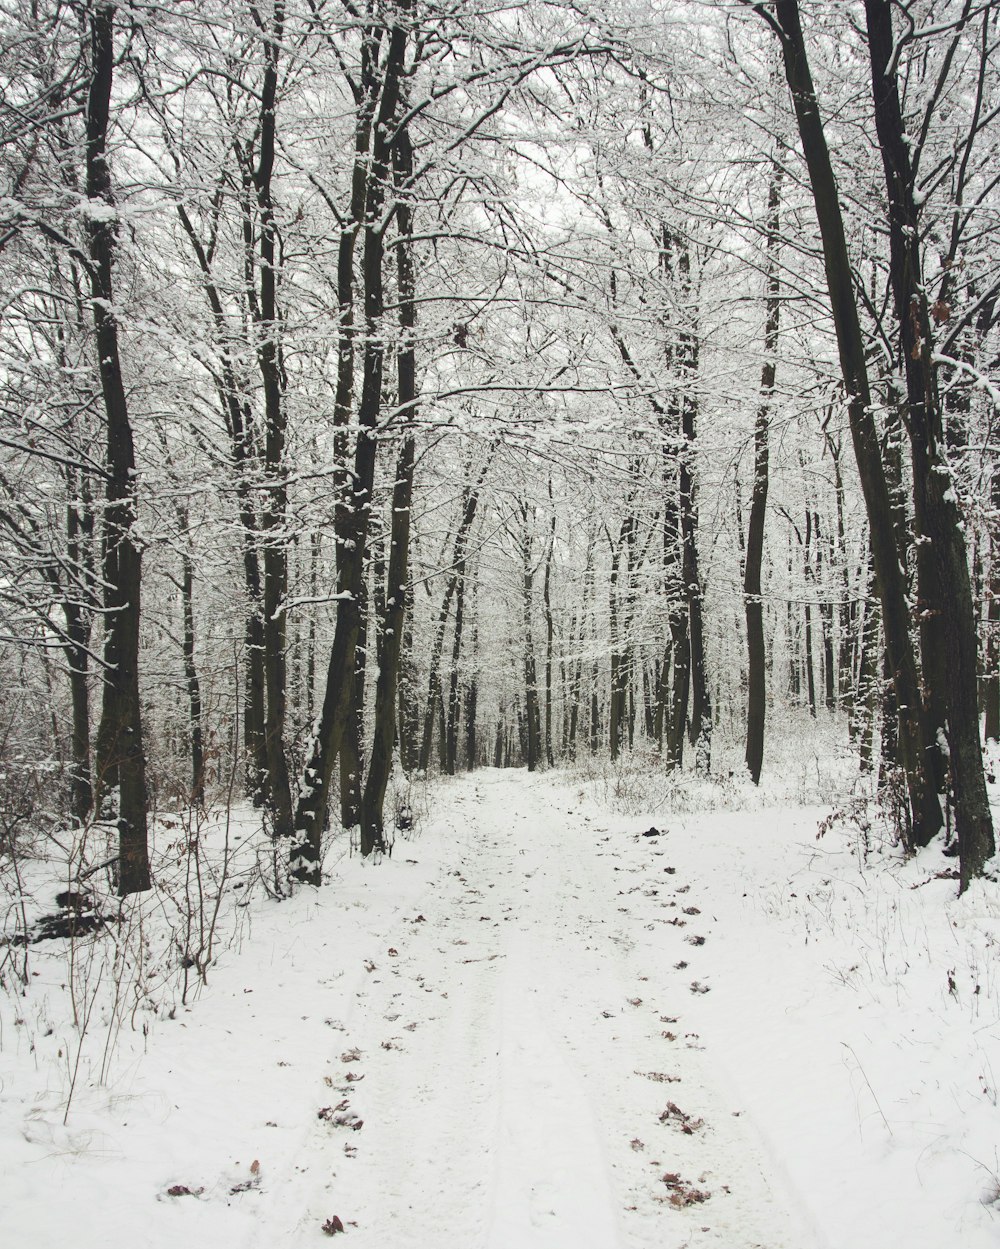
(120, 741)
(470, 505)
(391, 634)
(353, 529)
(945, 586)
(924, 810)
(756, 654)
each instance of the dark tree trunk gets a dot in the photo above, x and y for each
(945, 586)
(79, 618)
(390, 637)
(471, 699)
(273, 521)
(78, 660)
(810, 583)
(865, 698)
(549, 633)
(191, 682)
(700, 728)
(368, 199)
(470, 505)
(409, 714)
(120, 743)
(350, 761)
(925, 811)
(756, 655)
(617, 627)
(454, 684)
(991, 679)
(532, 715)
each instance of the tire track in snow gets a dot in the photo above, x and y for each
(519, 1046)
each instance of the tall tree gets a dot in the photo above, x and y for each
(119, 742)
(942, 560)
(924, 810)
(757, 667)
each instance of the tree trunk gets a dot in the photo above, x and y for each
(191, 682)
(275, 496)
(533, 723)
(470, 505)
(549, 632)
(120, 742)
(945, 587)
(810, 583)
(371, 176)
(924, 810)
(756, 655)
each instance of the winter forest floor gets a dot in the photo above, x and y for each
(538, 1026)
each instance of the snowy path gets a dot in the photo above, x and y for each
(536, 1028)
(512, 1050)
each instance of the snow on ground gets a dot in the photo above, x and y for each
(538, 1026)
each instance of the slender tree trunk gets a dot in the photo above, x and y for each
(78, 661)
(865, 697)
(470, 505)
(79, 549)
(454, 708)
(270, 364)
(350, 757)
(120, 741)
(533, 724)
(409, 715)
(390, 638)
(810, 583)
(191, 682)
(991, 680)
(619, 662)
(549, 632)
(754, 558)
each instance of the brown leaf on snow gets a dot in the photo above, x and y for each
(182, 1190)
(674, 1114)
(351, 1056)
(691, 910)
(333, 1226)
(635, 1001)
(637, 1144)
(682, 1193)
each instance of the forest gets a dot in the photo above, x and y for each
(421, 386)
(531, 446)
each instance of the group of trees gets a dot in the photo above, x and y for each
(410, 384)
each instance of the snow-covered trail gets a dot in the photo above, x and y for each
(536, 1027)
(518, 1056)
